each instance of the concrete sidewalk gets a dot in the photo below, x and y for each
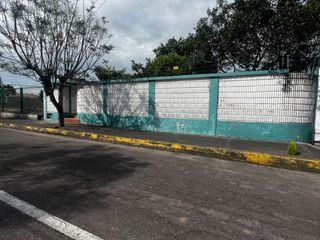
(306, 150)
(257, 152)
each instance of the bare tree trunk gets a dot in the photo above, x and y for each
(58, 107)
(60, 110)
(49, 91)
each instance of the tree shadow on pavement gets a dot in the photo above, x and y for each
(63, 178)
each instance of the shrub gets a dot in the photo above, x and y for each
(292, 148)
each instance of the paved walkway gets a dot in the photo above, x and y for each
(307, 151)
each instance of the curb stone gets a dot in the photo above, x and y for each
(219, 153)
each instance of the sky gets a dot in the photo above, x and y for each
(139, 26)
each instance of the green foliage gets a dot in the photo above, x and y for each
(106, 72)
(163, 65)
(9, 90)
(246, 35)
(292, 148)
(172, 46)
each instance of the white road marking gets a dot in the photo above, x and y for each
(58, 224)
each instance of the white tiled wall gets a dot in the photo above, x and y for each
(90, 100)
(187, 99)
(128, 99)
(263, 99)
(50, 107)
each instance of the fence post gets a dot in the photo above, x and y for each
(2, 98)
(21, 100)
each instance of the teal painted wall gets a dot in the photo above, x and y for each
(54, 117)
(213, 106)
(266, 131)
(253, 131)
(210, 127)
(186, 126)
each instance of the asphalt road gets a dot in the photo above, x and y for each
(120, 192)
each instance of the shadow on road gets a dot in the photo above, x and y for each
(62, 177)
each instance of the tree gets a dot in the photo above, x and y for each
(199, 56)
(296, 34)
(247, 49)
(137, 68)
(9, 90)
(265, 34)
(170, 64)
(106, 72)
(200, 49)
(40, 96)
(249, 35)
(52, 41)
(171, 46)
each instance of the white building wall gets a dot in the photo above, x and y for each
(263, 99)
(50, 107)
(66, 98)
(187, 99)
(128, 99)
(90, 100)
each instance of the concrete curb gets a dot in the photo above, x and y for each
(219, 153)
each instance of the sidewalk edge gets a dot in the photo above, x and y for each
(219, 153)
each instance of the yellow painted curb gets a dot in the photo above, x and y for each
(220, 153)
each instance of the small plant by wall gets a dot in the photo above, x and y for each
(292, 148)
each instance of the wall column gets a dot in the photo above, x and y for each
(213, 106)
(316, 122)
(152, 107)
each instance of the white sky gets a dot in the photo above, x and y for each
(139, 26)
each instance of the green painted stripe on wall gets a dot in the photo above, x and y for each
(187, 126)
(152, 96)
(137, 123)
(213, 105)
(54, 117)
(251, 131)
(266, 131)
